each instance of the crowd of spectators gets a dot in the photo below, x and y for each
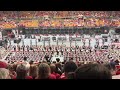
(11, 19)
(35, 62)
(79, 63)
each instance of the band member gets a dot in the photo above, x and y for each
(89, 42)
(23, 48)
(27, 48)
(61, 51)
(103, 41)
(97, 42)
(18, 46)
(47, 58)
(57, 52)
(83, 42)
(83, 47)
(50, 48)
(14, 48)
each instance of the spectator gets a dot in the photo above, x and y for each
(44, 72)
(53, 71)
(111, 68)
(91, 71)
(58, 68)
(12, 71)
(33, 71)
(22, 72)
(4, 74)
(69, 66)
(114, 71)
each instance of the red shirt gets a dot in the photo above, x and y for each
(28, 77)
(57, 75)
(118, 72)
(62, 76)
(52, 76)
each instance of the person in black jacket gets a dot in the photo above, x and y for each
(47, 58)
